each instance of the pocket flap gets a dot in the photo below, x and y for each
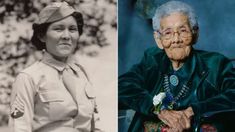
(89, 90)
(50, 96)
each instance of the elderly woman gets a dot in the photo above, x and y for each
(54, 94)
(178, 88)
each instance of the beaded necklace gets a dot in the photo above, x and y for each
(181, 94)
(169, 101)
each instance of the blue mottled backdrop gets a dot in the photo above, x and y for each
(217, 33)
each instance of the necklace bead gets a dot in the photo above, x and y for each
(174, 80)
(183, 91)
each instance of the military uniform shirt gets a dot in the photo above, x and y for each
(42, 103)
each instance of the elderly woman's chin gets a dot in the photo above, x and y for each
(178, 54)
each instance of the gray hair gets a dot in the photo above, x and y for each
(172, 7)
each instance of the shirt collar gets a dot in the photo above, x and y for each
(188, 68)
(58, 65)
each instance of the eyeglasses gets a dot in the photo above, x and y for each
(169, 33)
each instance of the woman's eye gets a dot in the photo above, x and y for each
(183, 30)
(58, 29)
(167, 33)
(73, 29)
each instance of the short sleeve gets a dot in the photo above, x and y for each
(22, 103)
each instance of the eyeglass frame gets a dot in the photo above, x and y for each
(189, 32)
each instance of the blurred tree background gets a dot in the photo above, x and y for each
(16, 51)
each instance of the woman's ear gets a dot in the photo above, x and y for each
(157, 39)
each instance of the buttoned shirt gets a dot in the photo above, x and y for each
(42, 103)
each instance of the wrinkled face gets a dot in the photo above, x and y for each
(175, 36)
(61, 38)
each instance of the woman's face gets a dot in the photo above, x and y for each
(61, 38)
(176, 37)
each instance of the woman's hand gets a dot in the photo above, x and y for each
(176, 120)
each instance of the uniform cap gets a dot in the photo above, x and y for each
(54, 12)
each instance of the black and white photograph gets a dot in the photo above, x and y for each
(58, 65)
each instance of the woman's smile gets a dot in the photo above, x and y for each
(62, 37)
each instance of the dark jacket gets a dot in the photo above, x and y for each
(212, 90)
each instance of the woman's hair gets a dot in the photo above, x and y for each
(39, 30)
(173, 7)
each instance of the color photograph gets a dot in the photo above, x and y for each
(176, 66)
(58, 70)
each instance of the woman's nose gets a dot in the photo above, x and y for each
(176, 37)
(66, 34)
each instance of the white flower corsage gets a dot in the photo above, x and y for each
(157, 101)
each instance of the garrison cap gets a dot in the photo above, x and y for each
(54, 12)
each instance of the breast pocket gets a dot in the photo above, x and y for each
(54, 101)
